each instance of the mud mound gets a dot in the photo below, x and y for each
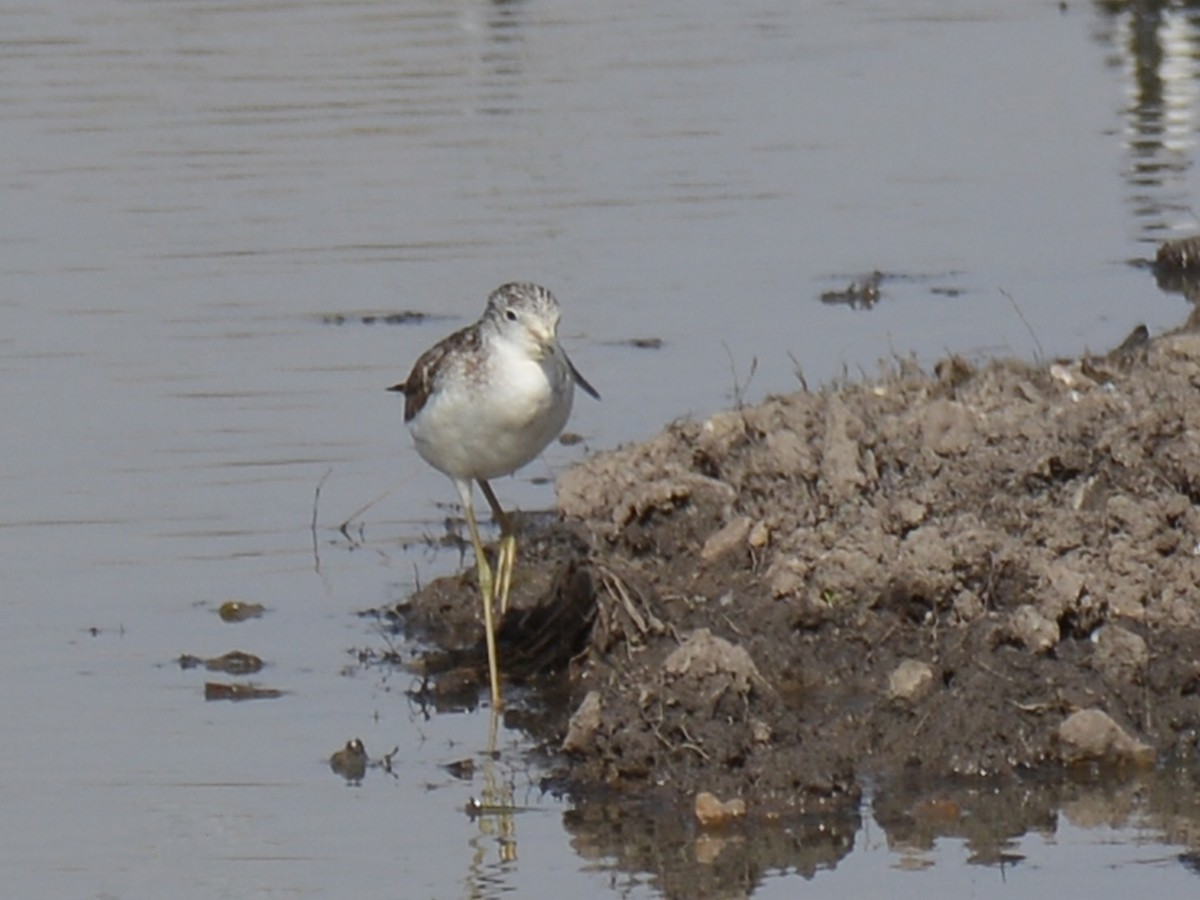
(931, 573)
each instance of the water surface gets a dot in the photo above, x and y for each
(192, 190)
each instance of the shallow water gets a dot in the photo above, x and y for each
(192, 189)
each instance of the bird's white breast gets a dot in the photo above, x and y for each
(492, 421)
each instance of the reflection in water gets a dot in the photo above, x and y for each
(685, 862)
(495, 815)
(1158, 45)
(990, 821)
(501, 59)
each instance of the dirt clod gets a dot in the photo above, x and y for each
(910, 680)
(726, 540)
(1032, 629)
(1090, 735)
(1120, 653)
(702, 657)
(584, 724)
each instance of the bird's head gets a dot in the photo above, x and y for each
(526, 313)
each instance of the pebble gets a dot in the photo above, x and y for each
(1033, 630)
(584, 724)
(703, 654)
(911, 680)
(1091, 735)
(759, 535)
(725, 540)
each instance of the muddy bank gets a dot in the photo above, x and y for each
(974, 571)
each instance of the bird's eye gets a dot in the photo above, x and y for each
(510, 315)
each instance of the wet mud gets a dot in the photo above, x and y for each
(979, 571)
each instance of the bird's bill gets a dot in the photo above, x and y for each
(543, 337)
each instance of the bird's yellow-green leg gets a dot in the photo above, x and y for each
(506, 557)
(505, 561)
(487, 587)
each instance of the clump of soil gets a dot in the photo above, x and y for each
(972, 572)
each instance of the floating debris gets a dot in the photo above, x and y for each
(570, 438)
(861, 293)
(462, 769)
(239, 611)
(648, 343)
(214, 690)
(233, 663)
(475, 808)
(404, 317)
(351, 761)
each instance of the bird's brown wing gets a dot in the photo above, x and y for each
(431, 367)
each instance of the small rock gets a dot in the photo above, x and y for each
(759, 535)
(1062, 586)
(968, 606)
(786, 577)
(949, 428)
(702, 655)
(720, 434)
(1120, 654)
(910, 680)
(760, 732)
(584, 724)
(1033, 630)
(909, 513)
(1091, 495)
(711, 812)
(1090, 735)
(1071, 376)
(726, 539)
